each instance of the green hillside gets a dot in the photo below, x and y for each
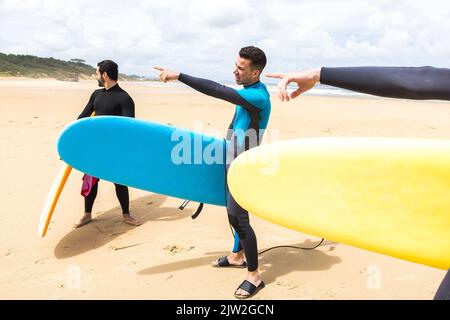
(12, 65)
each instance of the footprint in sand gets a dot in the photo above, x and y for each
(12, 252)
(337, 290)
(331, 294)
(132, 263)
(289, 285)
(42, 261)
(9, 253)
(174, 249)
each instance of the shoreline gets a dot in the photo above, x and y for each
(181, 88)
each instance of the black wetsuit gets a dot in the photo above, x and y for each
(112, 102)
(252, 113)
(396, 82)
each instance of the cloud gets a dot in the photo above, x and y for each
(203, 37)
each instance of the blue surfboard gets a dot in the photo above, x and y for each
(149, 156)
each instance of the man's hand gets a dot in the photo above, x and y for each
(305, 80)
(167, 75)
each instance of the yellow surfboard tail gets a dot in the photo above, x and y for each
(52, 198)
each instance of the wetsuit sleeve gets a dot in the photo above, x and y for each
(395, 82)
(127, 107)
(217, 90)
(89, 107)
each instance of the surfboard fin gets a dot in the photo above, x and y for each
(184, 204)
(196, 213)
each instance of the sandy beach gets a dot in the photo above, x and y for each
(169, 255)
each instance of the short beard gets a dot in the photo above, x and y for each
(245, 82)
(101, 82)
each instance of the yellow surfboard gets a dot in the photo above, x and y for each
(52, 198)
(387, 195)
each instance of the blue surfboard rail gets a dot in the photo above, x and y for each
(149, 156)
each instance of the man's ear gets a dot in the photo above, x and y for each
(256, 73)
(105, 75)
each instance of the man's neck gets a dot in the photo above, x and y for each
(252, 82)
(109, 85)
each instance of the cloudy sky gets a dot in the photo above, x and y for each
(202, 37)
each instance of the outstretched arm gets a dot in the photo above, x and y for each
(207, 87)
(394, 82)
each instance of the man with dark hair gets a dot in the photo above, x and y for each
(250, 120)
(110, 67)
(254, 54)
(109, 101)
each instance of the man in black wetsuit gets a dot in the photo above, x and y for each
(109, 101)
(395, 82)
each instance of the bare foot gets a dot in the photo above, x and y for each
(87, 217)
(128, 219)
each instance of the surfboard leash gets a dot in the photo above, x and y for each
(200, 208)
(293, 247)
(276, 247)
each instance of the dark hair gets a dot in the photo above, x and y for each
(255, 55)
(110, 67)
